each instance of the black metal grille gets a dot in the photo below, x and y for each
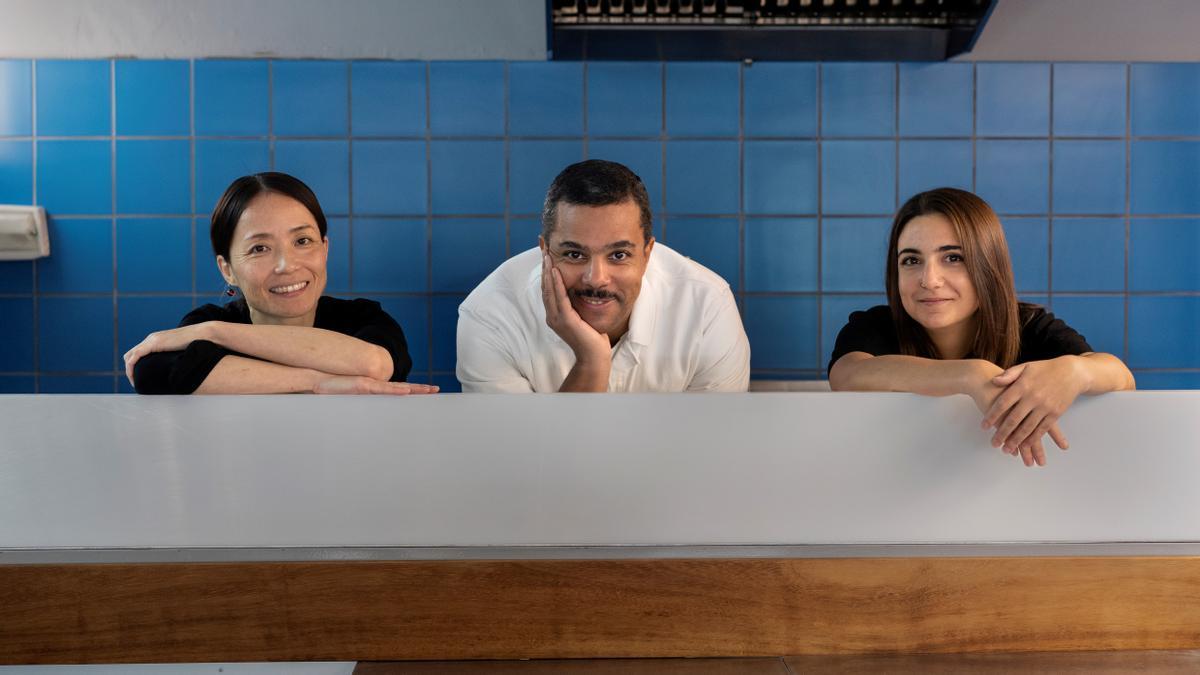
(943, 13)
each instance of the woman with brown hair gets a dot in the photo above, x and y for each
(953, 325)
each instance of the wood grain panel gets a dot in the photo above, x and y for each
(593, 608)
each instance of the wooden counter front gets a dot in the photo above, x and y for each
(225, 529)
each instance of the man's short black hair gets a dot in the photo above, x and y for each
(596, 182)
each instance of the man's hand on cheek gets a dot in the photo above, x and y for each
(589, 345)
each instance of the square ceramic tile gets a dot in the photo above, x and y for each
(1089, 254)
(858, 177)
(624, 99)
(73, 98)
(858, 99)
(220, 82)
(1163, 177)
(310, 98)
(545, 98)
(1089, 177)
(153, 98)
(60, 323)
(390, 177)
(1013, 176)
(782, 332)
(465, 251)
(780, 177)
(390, 254)
(781, 254)
(388, 98)
(466, 98)
(1089, 99)
(1165, 99)
(1164, 331)
(468, 177)
(1162, 254)
(1012, 99)
(780, 99)
(82, 260)
(935, 99)
(75, 177)
(702, 99)
(154, 255)
(702, 177)
(154, 177)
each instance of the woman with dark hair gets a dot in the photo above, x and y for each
(953, 325)
(269, 236)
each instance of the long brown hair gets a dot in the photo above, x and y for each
(985, 253)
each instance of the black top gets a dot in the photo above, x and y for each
(1043, 336)
(183, 371)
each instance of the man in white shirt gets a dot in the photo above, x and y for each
(591, 309)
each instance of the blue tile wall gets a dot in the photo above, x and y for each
(781, 177)
(16, 106)
(310, 98)
(387, 98)
(153, 98)
(768, 271)
(1012, 99)
(712, 242)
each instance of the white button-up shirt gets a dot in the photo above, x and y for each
(685, 333)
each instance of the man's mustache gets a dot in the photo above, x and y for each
(593, 293)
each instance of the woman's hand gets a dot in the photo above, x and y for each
(173, 340)
(979, 385)
(358, 384)
(1035, 395)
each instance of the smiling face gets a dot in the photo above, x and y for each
(935, 285)
(601, 253)
(277, 258)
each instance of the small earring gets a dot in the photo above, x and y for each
(230, 291)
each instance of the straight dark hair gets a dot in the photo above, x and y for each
(596, 182)
(242, 191)
(985, 253)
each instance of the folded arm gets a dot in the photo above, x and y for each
(241, 375)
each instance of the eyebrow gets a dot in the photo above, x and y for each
(947, 247)
(264, 235)
(624, 243)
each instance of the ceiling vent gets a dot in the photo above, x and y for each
(764, 30)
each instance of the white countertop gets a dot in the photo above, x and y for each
(448, 473)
